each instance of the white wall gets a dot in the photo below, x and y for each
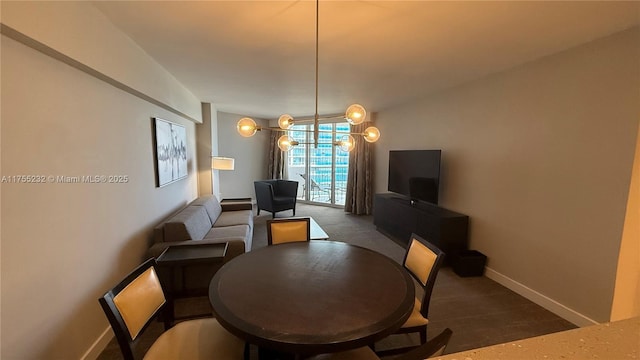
(250, 154)
(205, 132)
(64, 245)
(81, 32)
(540, 158)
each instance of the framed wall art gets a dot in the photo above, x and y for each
(171, 152)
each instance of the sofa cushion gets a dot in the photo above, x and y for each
(211, 204)
(242, 231)
(192, 223)
(237, 217)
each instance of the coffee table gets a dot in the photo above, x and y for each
(317, 233)
(312, 297)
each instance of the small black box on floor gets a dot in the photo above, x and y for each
(470, 263)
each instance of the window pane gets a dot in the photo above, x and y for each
(326, 165)
(296, 158)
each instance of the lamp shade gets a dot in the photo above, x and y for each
(285, 121)
(247, 127)
(355, 114)
(346, 143)
(222, 163)
(371, 134)
(286, 143)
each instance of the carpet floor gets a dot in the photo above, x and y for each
(480, 311)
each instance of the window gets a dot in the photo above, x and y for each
(327, 166)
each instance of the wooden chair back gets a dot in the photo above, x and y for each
(132, 304)
(423, 261)
(288, 230)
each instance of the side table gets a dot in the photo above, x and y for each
(172, 264)
(234, 204)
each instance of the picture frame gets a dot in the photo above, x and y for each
(170, 152)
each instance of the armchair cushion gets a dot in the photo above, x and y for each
(285, 188)
(281, 200)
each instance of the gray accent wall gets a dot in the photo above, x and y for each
(250, 154)
(540, 158)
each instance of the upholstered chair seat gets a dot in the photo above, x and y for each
(196, 339)
(138, 299)
(416, 318)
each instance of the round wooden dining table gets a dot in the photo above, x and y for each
(312, 297)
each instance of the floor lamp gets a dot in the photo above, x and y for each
(221, 163)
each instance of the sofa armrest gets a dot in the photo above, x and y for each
(236, 204)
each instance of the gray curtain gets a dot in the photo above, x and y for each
(277, 158)
(360, 179)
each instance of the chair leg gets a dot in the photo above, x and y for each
(258, 211)
(423, 335)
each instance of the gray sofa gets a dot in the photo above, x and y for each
(205, 221)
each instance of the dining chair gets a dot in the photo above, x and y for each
(288, 230)
(423, 261)
(138, 299)
(432, 348)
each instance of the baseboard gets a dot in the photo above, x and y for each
(98, 345)
(540, 299)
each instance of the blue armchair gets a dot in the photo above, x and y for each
(276, 195)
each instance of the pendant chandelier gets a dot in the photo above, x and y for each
(355, 115)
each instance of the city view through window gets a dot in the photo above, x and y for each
(322, 171)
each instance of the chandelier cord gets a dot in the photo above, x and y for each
(316, 115)
(354, 115)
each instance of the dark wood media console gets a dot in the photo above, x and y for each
(396, 217)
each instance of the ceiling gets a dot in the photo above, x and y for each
(257, 58)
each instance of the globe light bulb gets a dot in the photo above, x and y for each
(346, 143)
(247, 127)
(285, 121)
(355, 114)
(371, 134)
(286, 143)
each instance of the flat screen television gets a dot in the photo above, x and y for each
(415, 174)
